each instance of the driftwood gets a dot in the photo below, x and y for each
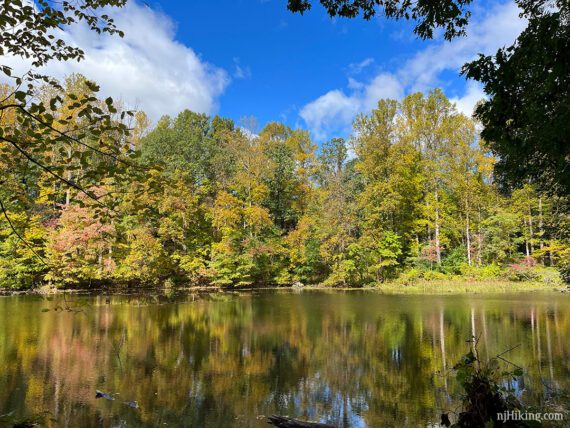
(287, 422)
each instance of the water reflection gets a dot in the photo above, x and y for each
(347, 358)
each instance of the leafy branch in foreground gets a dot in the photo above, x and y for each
(64, 133)
(526, 119)
(36, 128)
(36, 30)
(451, 15)
(73, 131)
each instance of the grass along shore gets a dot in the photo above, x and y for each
(447, 286)
(468, 286)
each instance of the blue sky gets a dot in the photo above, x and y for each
(286, 60)
(254, 58)
(282, 62)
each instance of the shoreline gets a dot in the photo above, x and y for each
(434, 287)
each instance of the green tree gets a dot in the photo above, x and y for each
(183, 144)
(282, 180)
(526, 120)
(500, 231)
(391, 174)
(335, 211)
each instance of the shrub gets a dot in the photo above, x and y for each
(522, 272)
(410, 276)
(433, 275)
(549, 275)
(454, 262)
(492, 271)
(169, 283)
(564, 269)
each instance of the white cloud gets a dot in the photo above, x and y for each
(335, 110)
(489, 30)
(356, 68)
(498, 27)
(241, 71)
(329, 112)
(473, 94)
(147, 69)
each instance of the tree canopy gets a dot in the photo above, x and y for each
(62, 129)
(525, 119)
(450, 15)
(411, 194)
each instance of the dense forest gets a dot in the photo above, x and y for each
(198, 200)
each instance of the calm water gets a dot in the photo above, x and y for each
(348, 358)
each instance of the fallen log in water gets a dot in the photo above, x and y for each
(287, 422)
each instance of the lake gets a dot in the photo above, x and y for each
(349, 358)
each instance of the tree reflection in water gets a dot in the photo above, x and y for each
(346, 358)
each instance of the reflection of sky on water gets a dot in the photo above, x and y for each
(350, 359)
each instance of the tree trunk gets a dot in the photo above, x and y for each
(437, 244)
(428, 223)
(540, 229)
(467, 232)
(526, 245)
(100, 262)
(68, 190)
(530, 229)
(479, 239)
(418, 245)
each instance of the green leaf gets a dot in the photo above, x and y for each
(20, 96)
(92, 86)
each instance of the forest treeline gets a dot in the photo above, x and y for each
(203, 200)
